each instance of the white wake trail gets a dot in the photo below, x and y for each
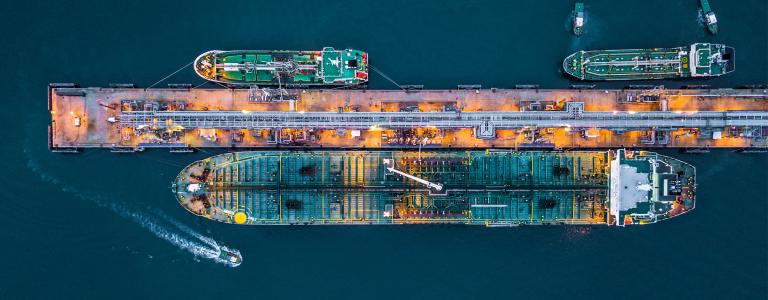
(209, 248)
(186, 229)
(162, 232)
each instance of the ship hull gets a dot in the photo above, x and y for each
(698, 60)
(325, 68)
(356, 188)
(709, 16)
(578, 19)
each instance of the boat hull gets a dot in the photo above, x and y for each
(698, 60)
(328, 67)
(502, 188)
(578, 19)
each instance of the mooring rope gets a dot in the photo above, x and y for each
(385, 76)
(174, 73)
(199, 85)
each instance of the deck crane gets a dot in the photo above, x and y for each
(390, 167)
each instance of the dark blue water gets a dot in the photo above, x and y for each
(90, 225)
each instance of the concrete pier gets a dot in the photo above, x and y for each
(133, 119)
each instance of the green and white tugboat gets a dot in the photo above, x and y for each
(709, 16)
(230, 257)
(578, 19)
(697, 60)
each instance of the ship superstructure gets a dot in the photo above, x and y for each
(329, 67)
(697, 60)
(492, 188)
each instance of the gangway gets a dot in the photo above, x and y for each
(390, 167)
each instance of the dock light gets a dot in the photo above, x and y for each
(245, 111)
(301, 112)
(615, 112)
(678, 112)
(631, 112)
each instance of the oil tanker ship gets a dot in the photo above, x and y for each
(697, 60)
(491, 188)
(329, 67)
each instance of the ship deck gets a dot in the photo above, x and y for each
(700, 59)
(283, 68)
(492, 188)
(91, 118)
(327, 187)
(630, 64)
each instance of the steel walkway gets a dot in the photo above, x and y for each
(448, 120)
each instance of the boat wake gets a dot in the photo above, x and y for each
(182, 236)
(186, 229)
(700, 18)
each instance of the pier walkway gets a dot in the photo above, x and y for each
(447, 120)
(132, 119)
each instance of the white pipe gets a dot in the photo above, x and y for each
(436, 186)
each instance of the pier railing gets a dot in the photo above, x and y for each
(447, 120)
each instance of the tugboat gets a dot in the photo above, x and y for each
(231, 257)
(709, 16)
(578, 18)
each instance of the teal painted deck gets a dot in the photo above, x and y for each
(355, 187)
(697, 60)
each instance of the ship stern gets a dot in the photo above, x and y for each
(729, 56)
(358, 63)
(647, 187)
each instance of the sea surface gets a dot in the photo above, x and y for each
(98, 225)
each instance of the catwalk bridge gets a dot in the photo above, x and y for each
(128, 119)
(447, 120)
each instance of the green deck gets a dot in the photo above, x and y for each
(578, 18)
(288, 68)
(698, 60)
(328, 187)
(709, 16)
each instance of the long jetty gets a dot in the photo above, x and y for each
(123, 118)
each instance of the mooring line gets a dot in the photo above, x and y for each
(174, 73)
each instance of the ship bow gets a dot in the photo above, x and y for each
(572, 65)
